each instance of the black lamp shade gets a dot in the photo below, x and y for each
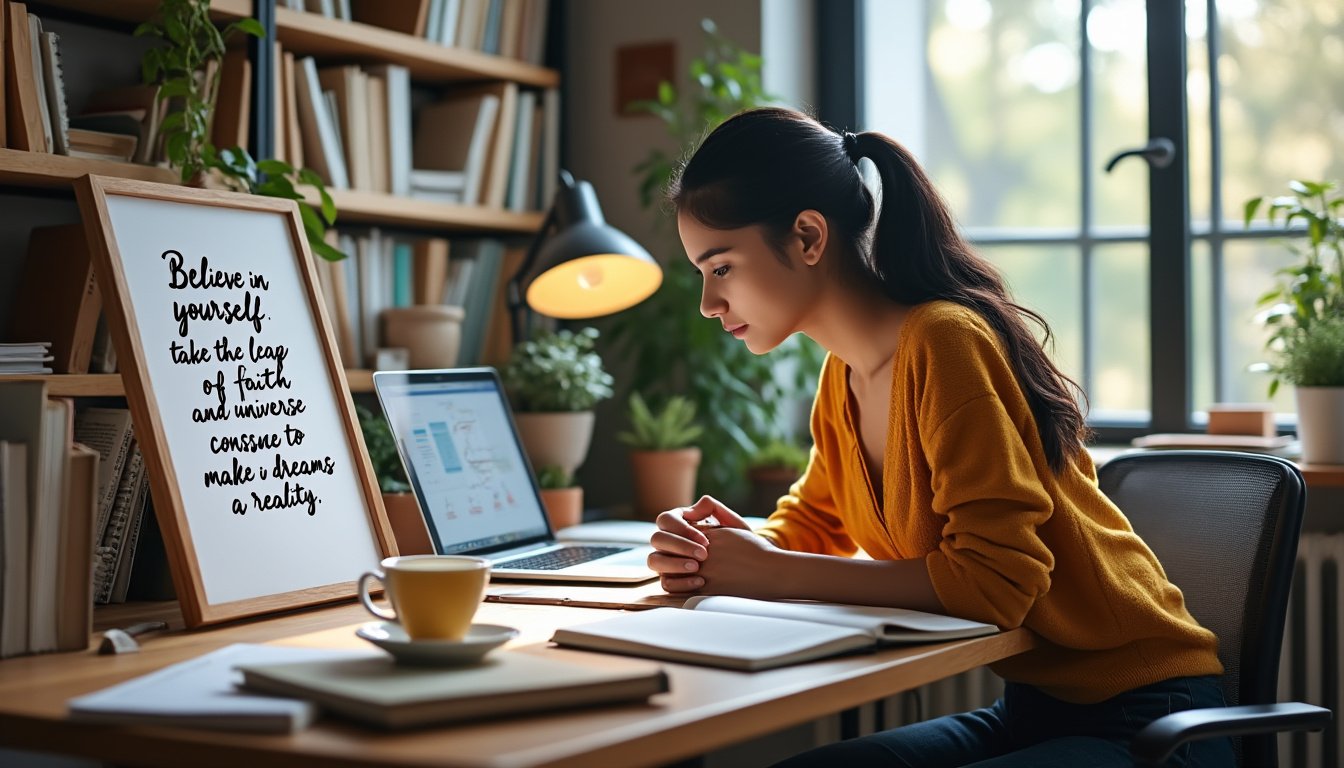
(587, 268)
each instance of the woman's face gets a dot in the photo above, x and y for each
(758, 297)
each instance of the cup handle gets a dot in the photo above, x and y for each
(368, 601)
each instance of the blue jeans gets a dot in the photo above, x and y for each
(1029, 728)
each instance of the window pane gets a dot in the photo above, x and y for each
(1120, 390)
(1202, 324)
(1197, 90)
(1117, 38)
(1282, 100)
(1048, 280)
(1002, 113)
(1249, 272)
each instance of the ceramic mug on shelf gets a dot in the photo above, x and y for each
(434, 597)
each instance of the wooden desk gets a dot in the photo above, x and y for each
(706, 709)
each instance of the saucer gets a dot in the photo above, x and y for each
(480, 640)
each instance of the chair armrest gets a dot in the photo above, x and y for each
(1155, 743)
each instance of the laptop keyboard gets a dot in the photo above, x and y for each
(562, 558)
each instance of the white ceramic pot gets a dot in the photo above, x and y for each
(555, 439)
(1320, 424)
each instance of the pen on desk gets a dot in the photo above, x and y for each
(123, 640)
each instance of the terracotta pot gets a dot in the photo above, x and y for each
(564, 506)
(555, 439)
(408, 525)
(664, 479)
(431, 333)
(767, 485)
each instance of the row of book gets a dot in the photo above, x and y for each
(512, 28)
(355, 126)
(119, 123)
(48, 503)
(384, 270)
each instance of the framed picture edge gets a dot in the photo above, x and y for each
(91, 193)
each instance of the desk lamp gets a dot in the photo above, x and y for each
(578, 265)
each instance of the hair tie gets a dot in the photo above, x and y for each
(852, 147)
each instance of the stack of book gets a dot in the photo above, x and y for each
(48, 487)
(25, 357)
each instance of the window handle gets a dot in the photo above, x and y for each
(1159, 153)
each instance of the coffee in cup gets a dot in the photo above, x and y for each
(434, 597)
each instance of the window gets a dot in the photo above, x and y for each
(1147, 275)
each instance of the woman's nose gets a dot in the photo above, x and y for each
(711, 306)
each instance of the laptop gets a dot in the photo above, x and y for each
(455, 434)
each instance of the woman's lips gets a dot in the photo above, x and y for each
(738, 331)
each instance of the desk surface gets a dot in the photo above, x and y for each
(706, 709)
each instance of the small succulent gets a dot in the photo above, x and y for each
(667, 429)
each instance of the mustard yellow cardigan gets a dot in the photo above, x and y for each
(1006, 540)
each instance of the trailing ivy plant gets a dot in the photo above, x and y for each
(742, 397)
(189, 43)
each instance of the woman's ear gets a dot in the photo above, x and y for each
(811, 231)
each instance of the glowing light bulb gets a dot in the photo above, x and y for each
(590, 278)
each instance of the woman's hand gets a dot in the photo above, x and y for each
(680, 543)
(708, 547)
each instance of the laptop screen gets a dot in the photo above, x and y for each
(458, 444)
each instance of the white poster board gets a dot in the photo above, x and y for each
(259, 475)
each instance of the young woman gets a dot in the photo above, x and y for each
(946, 445)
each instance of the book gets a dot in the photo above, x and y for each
(35, 35)
(377, 691)
(133, 110)
(202, 693)
(22, 420)
(58, 300)
(321, 147)
(74, 586)
(47, 527)
(24, 114)
(53, 80)
(233, 103)
(101, 145)
(107, 431)
(407, 17)
(397, 109)
(13, 548)
(745, 634)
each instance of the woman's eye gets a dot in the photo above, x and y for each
(721, 271)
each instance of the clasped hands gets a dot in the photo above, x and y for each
(693, 554)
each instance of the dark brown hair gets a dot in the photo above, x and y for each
(765, 166)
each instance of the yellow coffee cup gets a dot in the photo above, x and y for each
(433, 597)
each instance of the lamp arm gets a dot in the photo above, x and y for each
(518, 307)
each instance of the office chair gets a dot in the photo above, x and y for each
(1224, 526)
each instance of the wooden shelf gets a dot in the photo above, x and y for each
(380, 208)
(41, 169)
(308, 34)
(137, 11)
(109, 384)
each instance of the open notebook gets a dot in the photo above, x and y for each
(739, 633)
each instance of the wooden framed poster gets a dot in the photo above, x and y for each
(260, 479)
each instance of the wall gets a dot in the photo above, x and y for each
(603, 147)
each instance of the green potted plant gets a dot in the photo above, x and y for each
(740, 397)
(1305, 314)
(189, 43)
(663, 453)
(772, 469)
(403, 511)
(553, 381)
(562, 499)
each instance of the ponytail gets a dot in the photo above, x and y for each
(914, 253)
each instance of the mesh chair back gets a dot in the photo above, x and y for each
(1225, 528)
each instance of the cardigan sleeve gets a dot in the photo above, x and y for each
(806, 519)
